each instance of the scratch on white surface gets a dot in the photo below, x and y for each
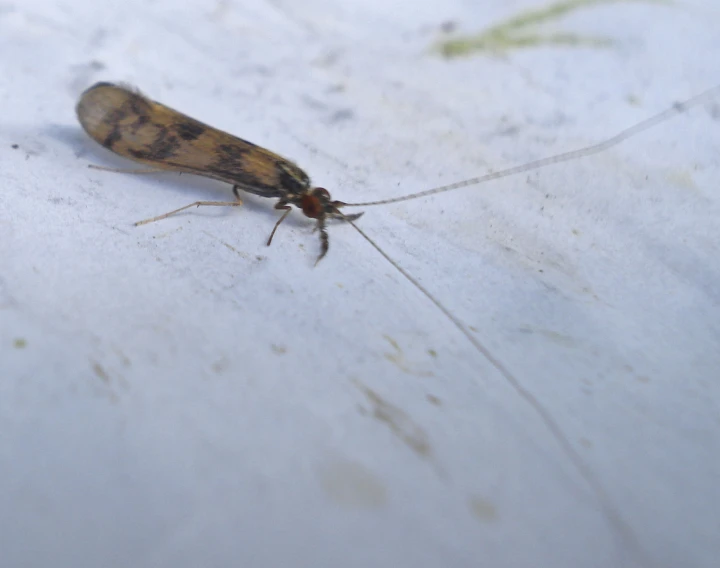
(412, 435)
(398, 358)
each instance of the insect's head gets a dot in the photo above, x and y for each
(317, 203)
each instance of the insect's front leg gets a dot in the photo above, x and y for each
(283, 206)
(324, 239)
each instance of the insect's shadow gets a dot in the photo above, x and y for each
(192, 187)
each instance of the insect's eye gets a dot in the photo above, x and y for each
(322, 192)
(311, 205)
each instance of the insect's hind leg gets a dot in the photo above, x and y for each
(235, 203)
(128, 171)
(196, 204)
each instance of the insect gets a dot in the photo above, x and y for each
(133, 126)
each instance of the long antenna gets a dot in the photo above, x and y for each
(677, 108)
(624, 531)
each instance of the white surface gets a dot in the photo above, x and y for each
(179, 395)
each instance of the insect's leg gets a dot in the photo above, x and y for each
(128, 171)
(235, 203)
(196, 204)
(280, 205)
(324, 239)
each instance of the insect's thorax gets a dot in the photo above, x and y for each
(315, 203)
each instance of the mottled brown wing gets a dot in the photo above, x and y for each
(135, 127)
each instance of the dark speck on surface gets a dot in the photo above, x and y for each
(342, 114)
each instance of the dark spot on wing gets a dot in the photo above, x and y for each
(112, 119)
(231, 164)
(138, 124)
(230, 158)
(111, 138)
(189, 130)
(139, 154)
(163, 147)
(138, 105)
(292, 178)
